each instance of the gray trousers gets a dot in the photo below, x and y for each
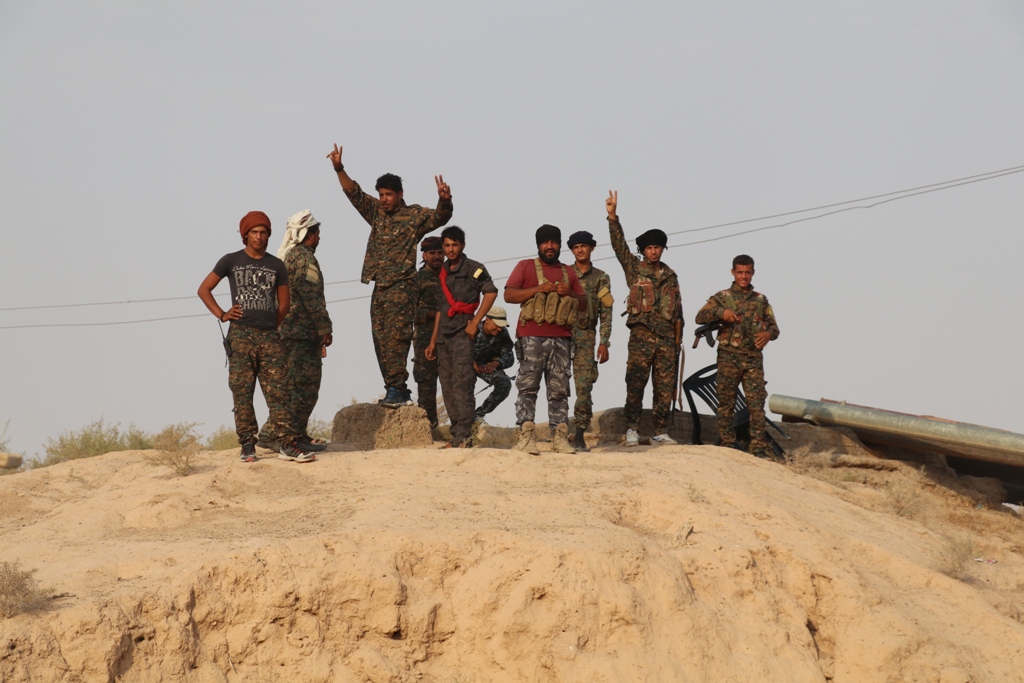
(548, 357)
(458, 379)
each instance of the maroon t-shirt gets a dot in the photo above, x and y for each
(524, 276)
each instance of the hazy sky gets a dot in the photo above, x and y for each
(133, 136)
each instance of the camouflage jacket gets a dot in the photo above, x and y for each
(499, 348)
(428, 300)
(594, 281)
(307, 314)
(661, 314)
(392, 247)
(755, 313)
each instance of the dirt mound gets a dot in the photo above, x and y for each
(659, 564)
(373, 427)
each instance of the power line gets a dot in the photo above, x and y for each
(118, 322)
(902, 194)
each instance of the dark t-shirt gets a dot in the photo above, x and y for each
(524, 276)
(466, 283)
(254, 284)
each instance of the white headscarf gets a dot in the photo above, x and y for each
(295, 231)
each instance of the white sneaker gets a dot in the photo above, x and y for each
(663, 440)
(632, 438)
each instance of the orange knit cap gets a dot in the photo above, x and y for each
(251, 220)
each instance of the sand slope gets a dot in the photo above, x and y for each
(661, 564)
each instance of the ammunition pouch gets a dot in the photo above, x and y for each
(548, 307)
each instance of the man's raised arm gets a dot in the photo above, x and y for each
(347, 183)
(443, 212)
(618, 237)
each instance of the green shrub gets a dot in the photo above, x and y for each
(318, 429)
(222, 439)
(176, 447)
(96, 438)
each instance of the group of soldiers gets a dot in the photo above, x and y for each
(444, 311)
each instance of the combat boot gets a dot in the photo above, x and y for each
(578, 442)
(560, 441)
(525, 441)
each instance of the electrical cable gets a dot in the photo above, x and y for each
(902, 194)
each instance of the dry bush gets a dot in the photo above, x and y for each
(955, 555)
(5, 443)
(318, 429)
(222, 439)
(903, 496)
(806, 460)
(176, 447)
(19, 590)
(96, 438)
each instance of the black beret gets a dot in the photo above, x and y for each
(548, 233)
(654, 237)
(581, 237)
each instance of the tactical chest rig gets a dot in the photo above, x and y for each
(643, 298)
(548, 307)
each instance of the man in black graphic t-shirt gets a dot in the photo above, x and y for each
(260, 300)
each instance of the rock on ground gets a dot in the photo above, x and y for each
(372, 427)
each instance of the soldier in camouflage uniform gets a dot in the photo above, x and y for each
(395, 230)
(428, 303)
(598, 288)
(748, 324)
(655, 325)
(307, 329)
(493, 354)
(259, 302)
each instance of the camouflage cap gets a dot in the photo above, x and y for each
(498, 316)
(430, 244)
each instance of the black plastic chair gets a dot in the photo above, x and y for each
(704, 383)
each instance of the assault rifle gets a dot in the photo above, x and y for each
(707, 331)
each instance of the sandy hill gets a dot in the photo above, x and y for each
(661, 564)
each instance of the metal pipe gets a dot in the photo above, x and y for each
(933, 435)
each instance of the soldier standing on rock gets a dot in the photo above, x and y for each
(551, 298)
(748, 324)
(463, 281)
(598, 287)
(307, 329)
(395, 230)
(259, 302)
(655, 325)
(428, 303)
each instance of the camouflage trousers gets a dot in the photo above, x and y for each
(392, 310)
(650, 356)
(732, 369)
(305, 370)
(548, 357)
(258, 354)
(584, 370)
(502, 384)
(425, 373)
